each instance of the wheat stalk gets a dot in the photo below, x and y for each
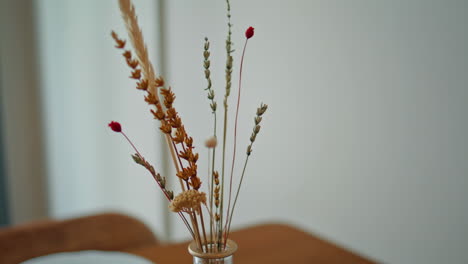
(151, 84)
(136, 37)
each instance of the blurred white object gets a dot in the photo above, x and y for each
(89, 257)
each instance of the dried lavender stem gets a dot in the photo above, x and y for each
(260, 111)
(213, 106)
(228, 90)
(159, 184)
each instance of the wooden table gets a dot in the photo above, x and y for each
(269, 244)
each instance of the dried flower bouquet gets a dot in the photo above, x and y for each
(206, 216)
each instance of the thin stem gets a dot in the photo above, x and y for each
(228, 90)
(203, 227)
(212, 241)
(220, 231)
(208, 176)
(235, 136)
(260, 111)
(181, 166)
(131, 143)
(213, 106)
(195, 227)
(185, 149)
(174, 159)
(237, 195)
(187, 224)
(212, 182)
(178, 157)
(209, 169)
(210, 191)
(212, 218)
(159, 184)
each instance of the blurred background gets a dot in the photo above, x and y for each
(364, 142)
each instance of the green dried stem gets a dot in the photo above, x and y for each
(200, 213)
(161, 181)
(213, 106)
(229, 61)
(197, 231)
(138, 159)
(260, 111)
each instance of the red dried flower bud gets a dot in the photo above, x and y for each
(249, 32)
(115, 126)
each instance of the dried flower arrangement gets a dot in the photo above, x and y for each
(189, 203)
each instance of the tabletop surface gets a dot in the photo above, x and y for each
(272, 244)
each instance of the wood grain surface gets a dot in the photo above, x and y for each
(269, 244)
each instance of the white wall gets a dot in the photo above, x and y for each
(365, 139)
(85, 85)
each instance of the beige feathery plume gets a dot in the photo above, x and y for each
(136, 38)
(187, 201)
